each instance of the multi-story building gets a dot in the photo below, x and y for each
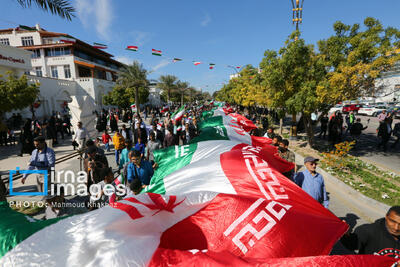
(389, 85)
(67, 68)
(155, 96)
(60, 56)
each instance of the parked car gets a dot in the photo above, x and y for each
(371, 110)
(396, 113)
(336, 108)
(351, 107)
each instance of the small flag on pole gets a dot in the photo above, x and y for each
(23, 27)
(155, 52)
(165, 109)
(176, 60)
(196, 63)
(133, 107)
(132, 48)
(68, 39)
(177, 116)
(212, 66)
(120, 179)
(99, 46)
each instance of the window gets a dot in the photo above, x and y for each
(38, 71)
(54, 72)
(100, 74)
(67, 72)
(4, 41)
(27, 41)
(58, 51)
(48, 41)
(84, 72)
(36, 53)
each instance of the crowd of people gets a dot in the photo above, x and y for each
(339, 128)
(52, 128)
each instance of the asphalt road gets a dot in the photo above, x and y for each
(367, 147)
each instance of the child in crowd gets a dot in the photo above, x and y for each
(106, 140)
(100, 198)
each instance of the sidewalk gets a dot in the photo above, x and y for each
(11, 160)
(345, 202)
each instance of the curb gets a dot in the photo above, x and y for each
(357, 200)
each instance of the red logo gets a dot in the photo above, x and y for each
(158, 204)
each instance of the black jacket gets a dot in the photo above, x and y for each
(373, 238)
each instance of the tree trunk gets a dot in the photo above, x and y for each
(293, 129)
(182, 98)
(32, 111)
(309, 129)
(168, 96)
(281, 126)
(137, 100)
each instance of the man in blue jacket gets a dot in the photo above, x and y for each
(312, 182)
(139, 168)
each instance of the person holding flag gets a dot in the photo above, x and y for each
(178, 115)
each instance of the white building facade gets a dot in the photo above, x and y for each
(389, 85)
(155, 96)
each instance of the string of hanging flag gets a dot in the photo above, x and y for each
(159, 53)
(69, 39)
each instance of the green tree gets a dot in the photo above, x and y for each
(119, 96)
(225, 94)
(132, 85)
(167, 83)
(16, 93)
(356, 58)
(291, 78)
(61, 8)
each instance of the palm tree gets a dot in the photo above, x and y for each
(167, 83)
(61, 8)
(182, 86)
(192, 91)
(134, 77)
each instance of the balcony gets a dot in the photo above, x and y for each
(95, 63)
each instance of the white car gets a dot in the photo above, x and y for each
(336, 108)
(371, 110)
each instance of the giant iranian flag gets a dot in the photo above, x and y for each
(214, 129)
(211, 203)
(241, 213)
(219, 118)
(195, 229)
(231, 207)
(176, 164)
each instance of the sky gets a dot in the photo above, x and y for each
(226, 33)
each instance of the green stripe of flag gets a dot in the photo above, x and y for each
(169, 160)
(98, 44)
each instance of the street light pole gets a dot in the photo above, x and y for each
(297, 19)
(297, 12)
